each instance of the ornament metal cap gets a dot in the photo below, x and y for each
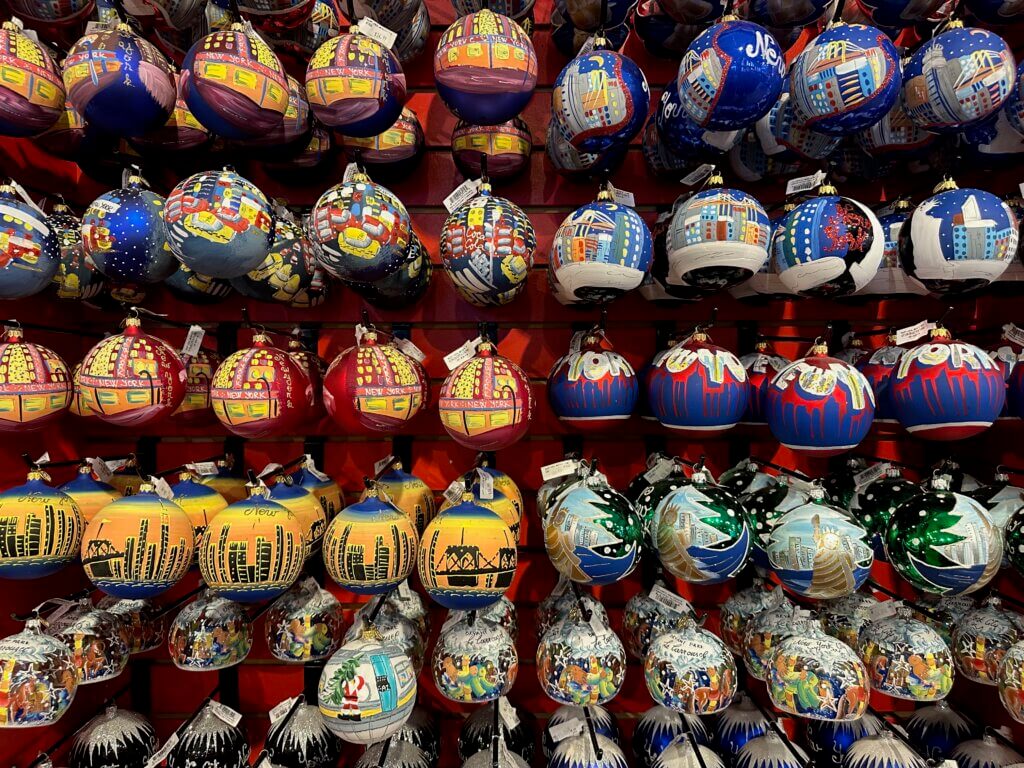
(946, 185)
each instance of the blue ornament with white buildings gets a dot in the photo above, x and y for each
(846, 80)
(784, 135)
(685, 137)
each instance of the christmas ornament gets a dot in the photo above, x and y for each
(40, 678)
(475, 737)
(644, 619)
(485, 68)
(235, 84)
(604, 77)
(367, 690)
(981, 638)
(945, 612)
(210, 633)
(119, 82)
(194, 288)
(355, 85)
(33, 92)
(659, 727)
(53, 15)
(87, 493)
(393, 752)
(304, 624)
(830, 739)
(767, 630)
(114, 737)
(731, 75)
(875, 503)
(784, 136)
(422, 730)
(682, 753)
(498, 503)
(123, 233)
(507, 147)
(935, 730)
(592, 388)
(392, 152)
(690, 670)
(877, 367)
(77, 277)
(770, 751)
(845, 617)
(761, 366)
(906, 658)
(29, 250)
(402, 288)
(95, 640)
(408, 493)
(580, 752)
(303, 741)
(35, 384)
(600, 251)
(734, 727)
(290, 274)
(323, 488)
(474, 662)
(303, 506)
(937, 94)
(766, 507)
(182, 132)
(394, 629)
(200, 502)
(882, 750)
(604, 722)
(946, 390)
(985, 752)
(227, 484)
(895, 137)
(581, 662)
(210, 742)
(141, 627)
(740, 608)
(681, 135)
(199, 369)
(556, 606)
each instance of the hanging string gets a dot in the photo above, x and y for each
(598, 752)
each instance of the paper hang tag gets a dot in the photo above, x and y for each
(776, 597)
(661, 469)
(868, 476)
(760, 365)
(698, 175)
(883, 610)
(913, 332)
(225, 713)
(566, 729)
(379, 466)
(350, 173)
(588, 45)
(95, 27)
(44, 459)
(558, 469)
(805, 183)
(115, 464)
(203, 468)
(576, 342)
(799, 483)
(193, 341)
(404, 590)
(486, 485)
(163, 490)
(361, 330)
(20, 190)
(161, 754)
(281, 709)
(270, 469)
(622, 197)
(100, 468)
(461, 195)
(1012, 333)
(18, 23)
(507, 713)
(31, 34)
(453, 618)
(310, 466)
(561, 587)
(458, 356)
(597, 623)
(66, 607)
(669, 600)
(377, 31)
(406, 347)
(453, 494)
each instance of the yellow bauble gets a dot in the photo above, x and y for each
(201, 502)
(505, 484)
(409, 494)
(499, 504)
(304, 505)
(326, 491)
(90, 495)
(228, 485)
(40, 529)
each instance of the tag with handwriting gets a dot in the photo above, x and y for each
(350, 173)
(461, 354)
(380, 466)
(913, 332)
(193, 341)
(558, 469)
(566, 729)
(486, 484)
(408, 348)
(376, 31)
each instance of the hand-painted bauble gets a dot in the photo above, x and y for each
(210, 742)
(841, 102)
(474, 662)
(131, 379)
(142, 628)
(934, 92)
(845, 617)
(506, 145)
(1010, 679)
(412, 39)
(829, 740)
(467, 579)
(945, 612)
(272, 15)
(875, 503)
(32, 90)
(982, 638)
(784, 134)
(770, 751)
(95, 639)
(219, 224)
(682, 135)
(593, 535)
(659, 727)
(683, 752)
(499, 504)
(943, 542)
(253, 550)
(409, 494)
(881, 750)
(746, 476)
(394, 753)
(394, 151)
(895, 136)
(355, 85)
(235, 84)
(986, 752)
(303, 741)
(690, 670)
(592, 388)
(194, 288)
(35, 384)
(644, 619)
(560, 602)
(486, 68)
(734, 727)
(289, 274)
(820, 551)
(119, 82)
(367, 690)
(123, 233)
(228, 484)
(877, 367)
(42, 678)
(88, 494)
(698, 387)
(896, 14)
(53, 14)
(304, 624)
(740, 608)
(210, 633)
(935, 730)
(324, 489)
(761, 366)
(260, 391)
(475, 739)
(767, 630)
(946, 390)
(611, 79)
(906, 658)
(580, 752)
(701, 532)
(114, 737)
(605, 725)
(303, 506)
(200, 502)
(574, 163)
(934, 246)
(731, 75)
(404, 287)
(195, 406)
(828, 246)
(77, 277)
(182, 131)
(581, 662)
(819, 405)
(487, 247)
(29, 248)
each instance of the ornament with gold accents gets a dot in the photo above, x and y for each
(40, 529)
(492, 499)
(304, 624)
(226, 481)
(94, 637)
(290, 274)
(77, 277)
(182, 131)
(201, 502)
(40, 675)
(392, 153)
(33, 92)
(303, 505)
(35, 384)
(89, 494)
(409, 493)
(323, 488)
(195, 406)
(29, 251)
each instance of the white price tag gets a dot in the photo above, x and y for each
(100, 468)
(225, 713)
(698, 174)
(377, 31)
(270, 469)
(1012, 333)
(281, 709)
(597, 623)
(661, 469)
(461, 354)
(361, 330)
(883, 609)
(588, 46)
(92, 28)
(350, 173)
(561, 587)
(310, 466)
(566, 729)
(805, 183)
(869, 475)
(669, 600)
(507, 713)
(461, 195)
(115, 464)
(66, 607)
(453, 494)
(913, 332)
(193, 341)
(486, 485)
(204, 468)
(404, 590)
(163, 490)
(950, 763)
(44, 459)
(408, 348)
(161, 754)
(558, 469)
(380, 466)
(776, 597)
(576, 342)
(800, 484)
(623, 197)
(18, 23)
(32, 35)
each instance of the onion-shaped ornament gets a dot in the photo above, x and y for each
(874, 504)
(644, 619)
(877, 367)
(487, 247)
(690, 670)
(770, 751)
(766, 507)
(35, 384)
(767, 630)
(881, 750)
(761, 366)
(731, 75)
(740, 608)
(581, 662)
(475, 738)
(659, 728)
(210, 633)
(32, 91)
(114, 737)
(819, 405)
(304, 624)
(395, 753)
(592, 388)
(42, 678)
(846, 80)
(234, 84)
(937, 94)
(935, 730)
(303, 741)
(474, 662)
(367, 690)
(119, 82)
(906, 658)
(986, 752)
(982, 638)
(95, 640)
(946, 390)
(830, 739)
(210, 742)
(735, 726)
(845, 617)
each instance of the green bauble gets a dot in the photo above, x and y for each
(648, 505)
(840, 485)
(943, 542)
(765, 508)
(874, 504)
(745, 477)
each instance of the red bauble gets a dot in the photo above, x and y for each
(195, 409)
(35, 384)
(374, 385)
(313, 366)
(486, 402)
(131, 379)
(261, 391)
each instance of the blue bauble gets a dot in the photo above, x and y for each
(750, 163)
(578, 752)
(571, 162)
(660, 160)
(958, 78)
(993, 143)
(785, 136)
(586, 14)
(737, 725)
(659, 727)
(846, 80)
(682, 135)
(985, 752)
(1014, 107)
(936, 730)
(895, 136)
(883, 750)
(593, 388)
(828, 741)
(30, 253)
(199, 289)
(731, 75)
(662, 35)
(770, 751)
(785, 14)
(607, 78)
(123, 233)
(896, 14)
(994, 11)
